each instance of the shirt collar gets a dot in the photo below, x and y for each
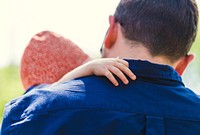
(147, 69)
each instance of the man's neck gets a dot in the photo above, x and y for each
(139, 52)
(126, 49)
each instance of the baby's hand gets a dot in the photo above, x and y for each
(109, 67)
(102, 67)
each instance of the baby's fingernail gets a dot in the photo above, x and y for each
(116, 84)
(126, 82)
(133, 77)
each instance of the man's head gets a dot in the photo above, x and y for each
(48, 57)
(166, 28)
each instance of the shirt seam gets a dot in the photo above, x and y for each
(117, 110)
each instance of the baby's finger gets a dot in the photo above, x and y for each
(119, 74)
(123, 62)
(110, 76)
(126, 70)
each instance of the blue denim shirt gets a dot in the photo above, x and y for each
(157, 103)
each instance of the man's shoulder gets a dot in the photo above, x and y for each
(61, 96)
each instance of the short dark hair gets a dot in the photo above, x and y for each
(166, 27)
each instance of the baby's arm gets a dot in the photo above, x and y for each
(102, 67)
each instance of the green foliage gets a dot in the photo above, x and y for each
(10, 86)
(196, 50)
(196, 45)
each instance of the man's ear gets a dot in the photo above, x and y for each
(111, 36)
(183, 63)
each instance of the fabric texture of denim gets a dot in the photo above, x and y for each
(156, 103)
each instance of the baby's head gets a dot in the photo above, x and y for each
(48, 57)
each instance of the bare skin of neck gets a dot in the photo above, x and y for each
(126, 49)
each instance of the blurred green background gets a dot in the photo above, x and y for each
(10, 87)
